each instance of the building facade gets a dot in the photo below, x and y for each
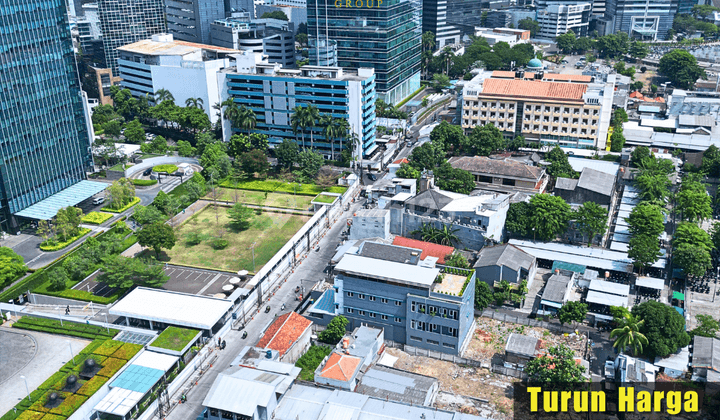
(189, 20)
(558, 19)
(645, 19)
(126, 21)
(405, 301)
(382, 35)
(44, 141)
(435, 20)
(186, 70)
(569, 110)
(273, 37)
(272, 92)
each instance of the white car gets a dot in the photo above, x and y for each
(98, 200)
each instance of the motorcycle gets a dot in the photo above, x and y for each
(244, 334)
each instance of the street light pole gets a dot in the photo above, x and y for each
(107, 325)
(253, 254)
(72, 356)
(26, 387)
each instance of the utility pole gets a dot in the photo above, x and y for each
(253, 254)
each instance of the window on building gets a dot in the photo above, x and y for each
(433, 342)
(383, 300)
(384, 317)
(350, 294)
(226, 414)
(371, 298)
(371, 314)
(482, 178)
(398, 303)
(413, 307)
(398, 320)
(448, 345)
(361, 313)
(453, 314)
(415, 338)
(510, 182)
(434, 327)
(413, 324)
(214, 412)
(349, 310)
(557, 109)
(361, 296)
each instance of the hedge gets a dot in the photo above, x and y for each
(39, 404)
(30, 415)
(167, 168)
(92, 346)
(49, 246)
(70, 405)
(67, 328)
(125, 207)
(50, 416)
(144, 182)
(90, 387)
(127, 351)
(108, 347)
(96, 218)
(272, 185)
(111, 367)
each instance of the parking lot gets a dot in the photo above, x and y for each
(95, 287)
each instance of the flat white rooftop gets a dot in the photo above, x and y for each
(610, 287)
(172, 308)
(387, 270)
(606, 299)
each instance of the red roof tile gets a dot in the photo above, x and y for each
(284, 332)
(534, 89)
(501, 74)
(401, 161)
(340, 367)
(429, 249)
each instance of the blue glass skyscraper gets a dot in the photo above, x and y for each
(44, 143)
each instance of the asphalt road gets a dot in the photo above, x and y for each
(310, 271)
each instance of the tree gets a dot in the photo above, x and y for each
(122, 272)
(559, 164)
(591, 220)
(185, 149)
(310, 163)
(617, 140)
(334, 331)
(78, 267)
(694, 204)
(146, 215)
(67, 221)
(711, 161)
(695, 260)
(619, 117)
(298, 121)
(407, 171)
(518, 217)
(193, 118)
(640, 153)
(57, 277)
(646, 219)
(427, 156)
(572, 311)
(663, 326)
(163, 95)
(456, 259)
(636, 86)
(121, 193)
(690, 233)
(529, 24)
(483, 295)
(628, 334)
(455, 180)
(549, 216)
(706, 327)
(157, 236)
(517, 143)
(440, 82)
(112, 128)
(240, 144)
(681, 68)
(312, 115)
(194, 103)
(555, 368)
(448, 136)
(12, 266)
(240, 216)
(255, 161)
(583, 44)
(484, 140)
(157, 145)
(287, 153)
(446, 235)
(654, 188)
(566, 42)
(643, 250)
(134, 132)
(302, 39)
(212, 155)
(44, 230)
(277, 14)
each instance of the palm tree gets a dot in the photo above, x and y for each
(328, 128)
(427, 232)
(628, 335)
(447, 55)
(297, 122)
(446, 235)
(246, 119)
(232, 111)
(341, 131)
(163, 95)
(194, 103)
(313, 115)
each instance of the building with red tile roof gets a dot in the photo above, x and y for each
(289, 335)
(340, 370)
(429, 249)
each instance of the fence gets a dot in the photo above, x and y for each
(515, 373)
(414, 351)
(502, 316)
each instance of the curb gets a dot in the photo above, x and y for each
(29, 360)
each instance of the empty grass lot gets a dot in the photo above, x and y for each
(286, 201)
(269, 230)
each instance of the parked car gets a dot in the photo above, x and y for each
(372, 177)
(98, 200)
(147, 172)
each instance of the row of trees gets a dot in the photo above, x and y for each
(546, 217)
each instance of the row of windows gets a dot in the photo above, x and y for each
(433, 342)
(372, 298)
(370, 314)
(433, 310)
(435, 328)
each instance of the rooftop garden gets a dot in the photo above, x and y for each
(174, 338)
(452, 281)
(75, 382)
(324, 198)
(274, 185)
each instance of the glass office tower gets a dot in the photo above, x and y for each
(44, 143)
(124, 22)
(382, 34)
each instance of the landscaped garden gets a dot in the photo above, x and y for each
(66, 328)
(311, 360)
(144, 182)
(273, 185)
(76, 381)
(166, 168)
(200, 239)
(96, 218)
(326, 199)
(259, 198)
(124, 207)
(174, 338)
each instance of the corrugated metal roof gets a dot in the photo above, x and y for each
(387, 270)
(397, 385)
(610, 287)
(600, 298)
(238, 395)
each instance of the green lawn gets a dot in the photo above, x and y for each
(288, 201)
(174, 338)
(272, 185)
(269, 230)
(322, 198)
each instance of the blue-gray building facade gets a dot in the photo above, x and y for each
(414, 315)
(189, 20)
(44, 142)
(644, 19)
(272, 93)
(382, 34)
(124, 22)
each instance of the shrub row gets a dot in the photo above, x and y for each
(96, 218)
(125, 207)
(280, 186)
(51, 245)
(67, 328)
(167, 168)
(144, 182)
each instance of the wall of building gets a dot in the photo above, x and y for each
(298, 348)
(370, 227)
(471, 237)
